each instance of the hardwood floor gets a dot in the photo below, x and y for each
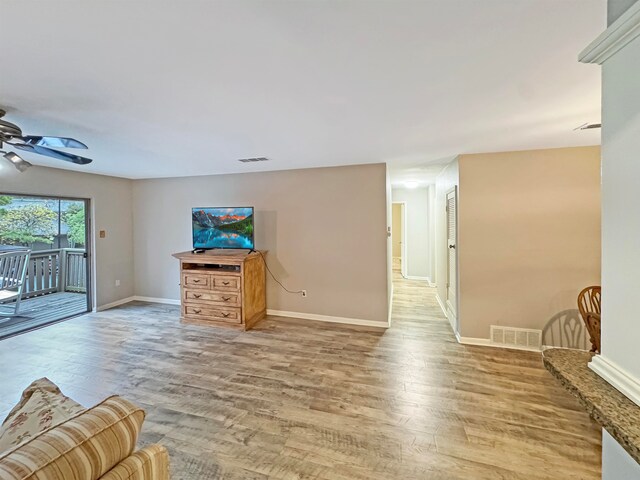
(296, 399)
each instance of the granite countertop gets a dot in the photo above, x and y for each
(606, 405)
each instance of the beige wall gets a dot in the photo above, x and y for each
(111, 207)
(324, 228)
(396, 230)
(528, 235)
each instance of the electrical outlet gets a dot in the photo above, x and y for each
(117, 283)
(304, 293)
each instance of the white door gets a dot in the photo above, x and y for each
(452, 257)
(399, 234)
(403, 233)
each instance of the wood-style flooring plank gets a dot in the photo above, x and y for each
(296, 399)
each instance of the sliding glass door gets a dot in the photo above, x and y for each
(56, 284)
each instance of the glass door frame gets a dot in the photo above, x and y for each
(88, 230)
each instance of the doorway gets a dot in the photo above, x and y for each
(452, 255)
(398, 236)
(57, 279)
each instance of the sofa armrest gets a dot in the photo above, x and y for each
(149, 463)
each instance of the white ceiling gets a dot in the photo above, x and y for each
(169, 88)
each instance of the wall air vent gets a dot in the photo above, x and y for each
(512, 337)
(251, 160)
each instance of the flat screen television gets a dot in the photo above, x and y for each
(217, 227)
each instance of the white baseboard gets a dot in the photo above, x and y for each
(279, 313)
(117, 303)
(422, 279)
(328, 318)
(617, 377)
(138, 298)
(390, 306)
(447, 313)
(167, 301)
(444, 310)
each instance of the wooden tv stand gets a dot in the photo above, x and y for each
(222, 288)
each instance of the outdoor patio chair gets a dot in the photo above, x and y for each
(13, 270)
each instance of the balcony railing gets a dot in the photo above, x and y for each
(60, 270)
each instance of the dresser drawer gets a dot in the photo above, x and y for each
(225, 282)
(223, 298)
(210, 312)
(196, 280)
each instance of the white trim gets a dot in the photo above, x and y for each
(619, 34)
(328, 318)
(441, 304)
(167, 301)
(117, 303)
(137, 298)
(485, 342)
(447, 313)
(404, 263)
(279, 313)
(390, 306)
(423, 279)
(617, 377)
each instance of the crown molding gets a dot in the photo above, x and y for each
(620, 33)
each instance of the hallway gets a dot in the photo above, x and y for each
(497, 407)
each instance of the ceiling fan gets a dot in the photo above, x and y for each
(11, 134)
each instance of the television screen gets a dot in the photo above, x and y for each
(222, 227)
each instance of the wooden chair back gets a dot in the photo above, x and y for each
(13, 270)
(589, 302)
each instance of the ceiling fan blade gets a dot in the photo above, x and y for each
(69, 157)
(55, 142)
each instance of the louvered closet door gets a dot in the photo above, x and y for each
(451, 251)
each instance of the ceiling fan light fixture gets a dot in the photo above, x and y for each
(17, 161)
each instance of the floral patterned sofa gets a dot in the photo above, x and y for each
(48, 436)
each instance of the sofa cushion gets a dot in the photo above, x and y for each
(41, 406)
(84, 447)
(151, 462)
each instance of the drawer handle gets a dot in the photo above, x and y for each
(196, 310)
(225, 315)
(197, 295)
(226, 299)
(225, 283)
(196, 280)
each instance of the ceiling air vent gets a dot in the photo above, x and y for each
(251, 160)
(588, 126)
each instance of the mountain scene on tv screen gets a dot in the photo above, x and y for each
(222, 227)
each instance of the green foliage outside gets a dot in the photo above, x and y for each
(4, 200)
(26, 225)
(74, 218)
